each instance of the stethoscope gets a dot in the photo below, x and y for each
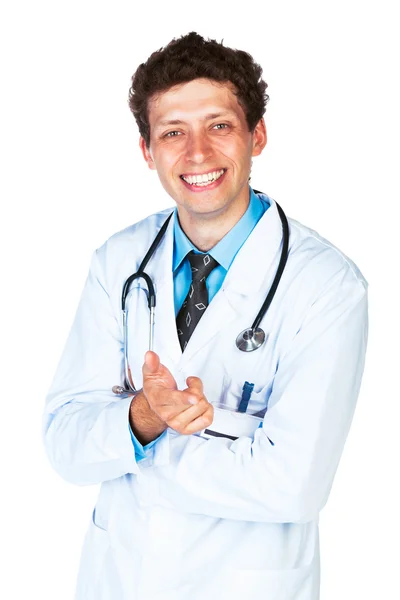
(248, 340)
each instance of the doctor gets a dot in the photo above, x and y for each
(181, 513)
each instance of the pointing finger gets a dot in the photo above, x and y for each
(195, 384)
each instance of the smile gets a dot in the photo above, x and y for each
(203, 180)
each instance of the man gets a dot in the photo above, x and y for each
(213, 475)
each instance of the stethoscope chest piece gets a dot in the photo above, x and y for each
(250, 339)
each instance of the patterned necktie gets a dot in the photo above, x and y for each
(196, 301)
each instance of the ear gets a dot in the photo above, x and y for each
(259, 138)
(147, 155)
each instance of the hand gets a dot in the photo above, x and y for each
(198, 417)
(186, 411)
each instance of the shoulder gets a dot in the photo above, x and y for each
(134, 239)
(122, 253)
(326, 283)
(139, 232)
(309, 245)
(317, 267)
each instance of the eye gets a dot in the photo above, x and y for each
(171, 134)
(221, 125)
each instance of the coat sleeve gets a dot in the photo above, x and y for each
(85, 426)
(311, 406)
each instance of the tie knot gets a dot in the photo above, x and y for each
(202, 265)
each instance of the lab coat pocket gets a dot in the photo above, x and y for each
(230, 424)
(93, 559)
(228, 421)
(285, 584)
(232, 394)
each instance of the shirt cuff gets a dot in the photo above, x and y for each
(140, 451)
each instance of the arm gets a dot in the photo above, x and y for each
(310, 411)
(86, 427)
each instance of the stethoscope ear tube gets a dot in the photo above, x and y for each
(281, 267)
(140, 272)
(151, 296)
(129, 387)
(155, 243)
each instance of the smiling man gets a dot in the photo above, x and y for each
(201, 147)
(217, 449)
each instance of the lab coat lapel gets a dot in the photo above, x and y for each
(254, 267)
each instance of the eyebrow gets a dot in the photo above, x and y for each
(208, 117)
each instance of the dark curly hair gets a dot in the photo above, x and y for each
(192, 57)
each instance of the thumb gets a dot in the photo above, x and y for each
(151, 363)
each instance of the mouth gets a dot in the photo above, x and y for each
(204, 180)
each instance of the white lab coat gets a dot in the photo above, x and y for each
(212, 518)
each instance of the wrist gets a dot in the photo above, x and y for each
(146, 425)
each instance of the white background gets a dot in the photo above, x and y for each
(72, 175)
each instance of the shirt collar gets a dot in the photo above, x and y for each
(225, 251)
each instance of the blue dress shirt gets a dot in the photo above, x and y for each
(224, 253)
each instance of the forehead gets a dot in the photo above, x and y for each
(193, 100)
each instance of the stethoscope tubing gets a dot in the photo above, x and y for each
(140, 272)
(151, 301)
(279, 272)
(249, 339)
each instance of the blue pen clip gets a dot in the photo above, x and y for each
(246, 393)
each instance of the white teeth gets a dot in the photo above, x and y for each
(205, 179)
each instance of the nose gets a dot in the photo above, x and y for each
(198, 148)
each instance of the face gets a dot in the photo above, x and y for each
(201, 147)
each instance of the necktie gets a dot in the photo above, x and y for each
(196, 300)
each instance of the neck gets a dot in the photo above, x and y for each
(206, 230)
